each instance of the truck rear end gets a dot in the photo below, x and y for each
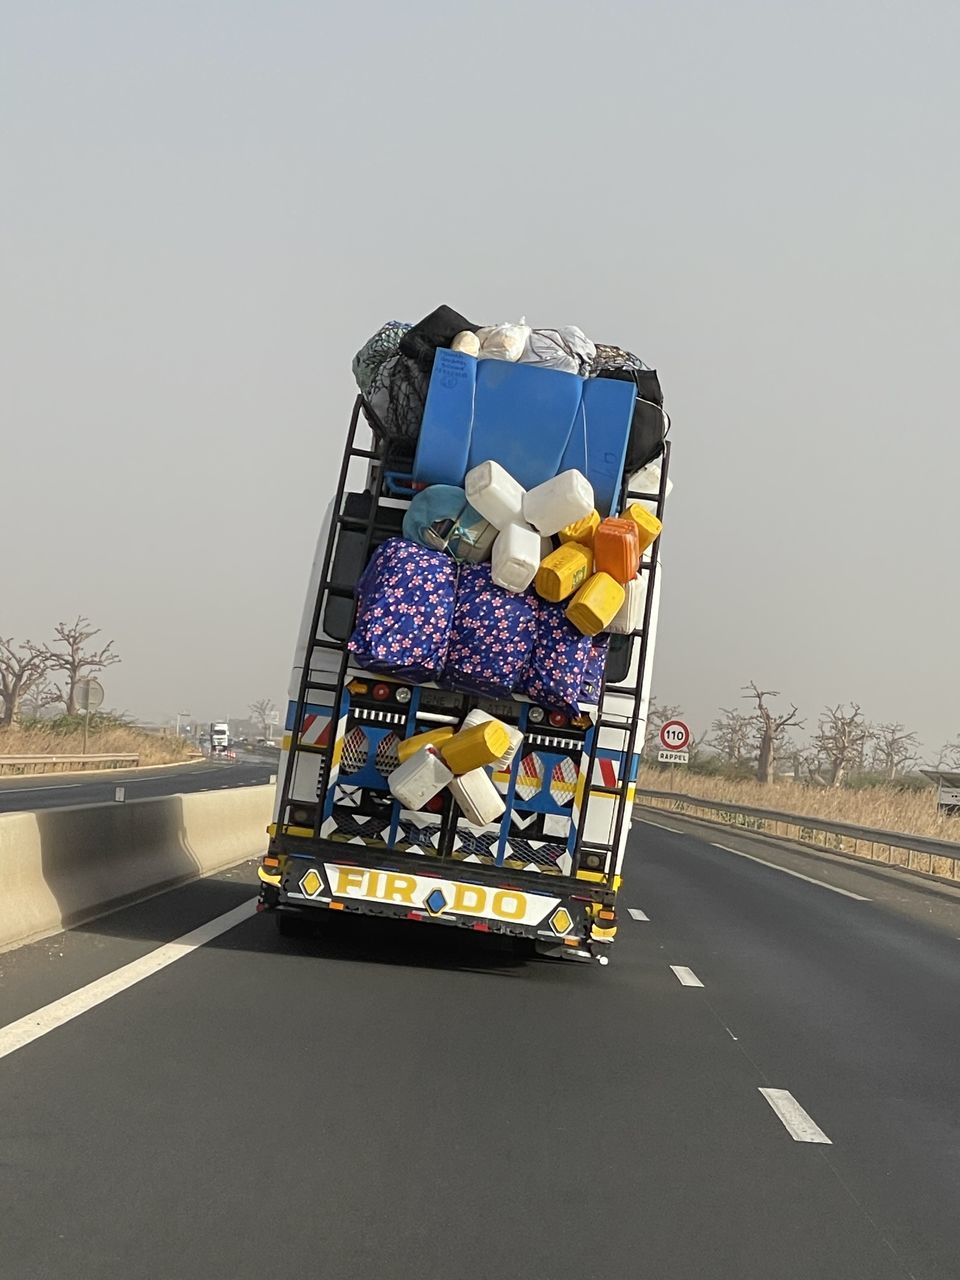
(550, 869)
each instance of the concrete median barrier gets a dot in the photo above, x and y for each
(61, 867)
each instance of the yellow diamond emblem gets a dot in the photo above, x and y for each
(311, 884)
(561, 921)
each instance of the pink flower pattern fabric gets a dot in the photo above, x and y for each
(405, 608)
(557, 666)
(492, 638)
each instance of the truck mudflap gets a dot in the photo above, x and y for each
(559, 919)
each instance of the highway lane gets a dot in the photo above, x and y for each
(393, 1100)
(857, 1003)
(56, 791)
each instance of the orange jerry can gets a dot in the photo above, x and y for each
(616, 549)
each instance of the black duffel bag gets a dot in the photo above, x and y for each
(648, 430)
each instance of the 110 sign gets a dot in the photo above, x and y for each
(674, 735)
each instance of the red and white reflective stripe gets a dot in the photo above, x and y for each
(605, 773)
(316, 730)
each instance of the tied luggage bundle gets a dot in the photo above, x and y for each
(498, 535)
(406, 597)
(420, 618)
(492, 636)
(394, 373)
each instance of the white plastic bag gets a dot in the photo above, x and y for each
(504, 341)
(567, 349)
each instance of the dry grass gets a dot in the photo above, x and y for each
(884, 808)
(119, 739)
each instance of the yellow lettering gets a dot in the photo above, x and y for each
(399, 889)
(509, 905)
(468, 898)
(350, 878)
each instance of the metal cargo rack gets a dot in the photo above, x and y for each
(594, 887)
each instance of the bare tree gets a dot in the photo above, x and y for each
(40, 695)
(895, 750)
(21, 666)
(807, 765)
(69, 654)
(948, 757)
(768, 727)
(264, 713)
(732, 736)
(841, 737)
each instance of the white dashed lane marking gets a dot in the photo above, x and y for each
(686, 977)
(793, 1117)
(638, 914)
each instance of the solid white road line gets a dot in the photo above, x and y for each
(686, 977)
(663, 826)
(15, 1035)
(26, 791)
(637, 914)
(787, 872)
(795, 1120)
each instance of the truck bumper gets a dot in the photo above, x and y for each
(556, 919)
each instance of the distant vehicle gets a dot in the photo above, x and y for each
(219, 737)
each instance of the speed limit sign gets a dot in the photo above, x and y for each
(674, 736)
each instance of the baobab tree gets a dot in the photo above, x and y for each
(841, 738)
(40, 695)
(894, 749)
(732, 735)
(769, 728)
(22, 665)
(69, 654)
(948, 757)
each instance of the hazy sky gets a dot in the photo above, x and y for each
(207, 206)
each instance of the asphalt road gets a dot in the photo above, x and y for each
(59, 790)
(393, 1100)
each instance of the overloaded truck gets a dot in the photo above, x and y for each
(471, 680)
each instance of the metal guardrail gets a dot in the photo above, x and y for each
(922, 854)
(63, 764)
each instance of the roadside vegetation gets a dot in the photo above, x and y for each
(909, 810)
(847, 768)
(41, 700)
(107, 734)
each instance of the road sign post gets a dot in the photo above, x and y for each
(674, 740)
(89, 696)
